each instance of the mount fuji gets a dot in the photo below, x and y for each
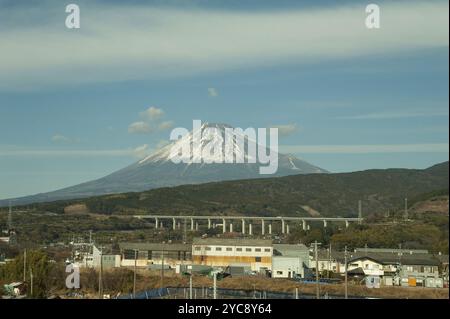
(158, 170)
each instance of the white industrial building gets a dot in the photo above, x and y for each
(289, 261)
(226, 252)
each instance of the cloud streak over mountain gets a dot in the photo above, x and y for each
(136, 42)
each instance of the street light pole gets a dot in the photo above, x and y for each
(346, 281)
(317, 270)
(100, 279)
(25, 265)
(134, 276)
(162, 267)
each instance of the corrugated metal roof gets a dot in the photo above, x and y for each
(155, 246)
(232, 242)
(290, 250)
(382, 257)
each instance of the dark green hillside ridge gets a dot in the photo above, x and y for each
(329, 194)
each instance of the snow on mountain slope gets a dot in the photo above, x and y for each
(158, 169)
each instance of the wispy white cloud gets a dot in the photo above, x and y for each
(212, 92)
(145, 149)
(60, 138)
(151, 122)
(365, 149)
(66, 153)
(139, 128)
(166, 125)
(152, 113)
(141, 151)
(154, 42)
(286, 129)
(396, 114)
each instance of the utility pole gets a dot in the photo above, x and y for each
(25, 265)
(190, 286)
(346, 281)
(10, 219)
(215, 285)
(329, 264)
(406, 208)
(184, 232)
(31, 282)
(100, 279)
(317, 270)
(134, 275)
(162, 267)
(360, 211)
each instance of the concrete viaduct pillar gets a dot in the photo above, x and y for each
(156, 222)
(174, 224)
(243, 226)
(231, 227)
(209, 223)
(304, 226)
(287, 229)
(324, 223)
(250, 231)
(224, 225)
(346, 223)
(282, 227)
(263, 227)
(270, 229)
(192, 224)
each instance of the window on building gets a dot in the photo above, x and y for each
(128, 254)
(248, 249)
(279, 272)
(229, 249)
(238, 249)
(208, 248)
(218, 248)
(257, 259)
(258, 250)
(197, 248)
(267, 250)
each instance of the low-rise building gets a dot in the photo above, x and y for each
(289, 261)
(369, 265)
(225, 252)
(105, 257)
(147, 254)
(416, 270)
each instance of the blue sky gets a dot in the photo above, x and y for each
(347, 98)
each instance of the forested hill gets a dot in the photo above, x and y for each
(324, 194)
